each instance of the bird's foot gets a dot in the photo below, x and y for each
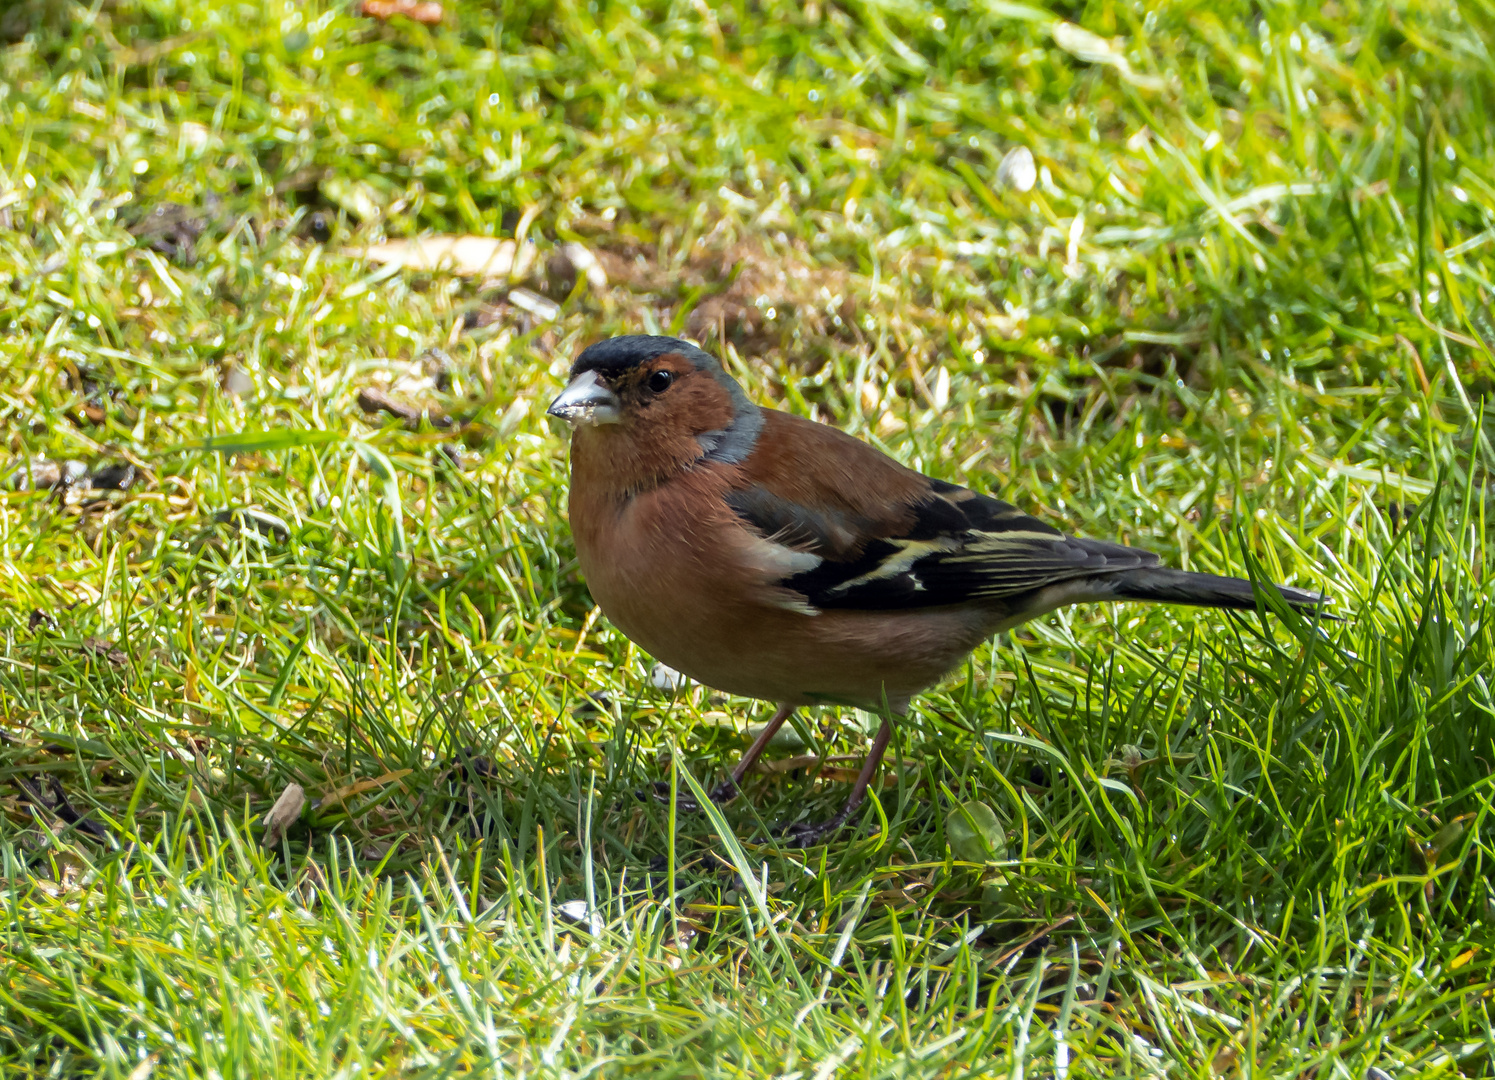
(804, 834)
(659, 791)
(468, 764)
(467, 780)
(725, 792)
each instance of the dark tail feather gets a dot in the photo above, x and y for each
(1162, 585)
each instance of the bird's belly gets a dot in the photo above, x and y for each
(730, 639)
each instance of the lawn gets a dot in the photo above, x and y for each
(281, 509)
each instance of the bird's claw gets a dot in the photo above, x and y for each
(724, 792)
(804, 834)
(659, 791)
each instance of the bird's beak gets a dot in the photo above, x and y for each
(587, 401)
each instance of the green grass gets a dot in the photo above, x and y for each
(1243, 318)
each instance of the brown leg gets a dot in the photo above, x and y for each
(727, 789)
(806, 835)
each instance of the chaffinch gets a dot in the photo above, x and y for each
(770, 556)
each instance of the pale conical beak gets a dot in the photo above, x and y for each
(587, 401)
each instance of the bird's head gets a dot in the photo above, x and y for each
(659, 400)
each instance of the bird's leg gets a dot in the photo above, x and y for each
(726, 791)
(808, 835)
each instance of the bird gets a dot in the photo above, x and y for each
(774, 557)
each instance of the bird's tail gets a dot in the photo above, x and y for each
(1163, 585)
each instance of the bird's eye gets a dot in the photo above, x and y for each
(660, 381)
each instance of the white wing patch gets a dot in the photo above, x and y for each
(778, 561)
(789, 600)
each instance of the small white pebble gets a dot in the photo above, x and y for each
(664, 677)
(1017, 169)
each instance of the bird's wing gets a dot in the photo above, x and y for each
(890, 538)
